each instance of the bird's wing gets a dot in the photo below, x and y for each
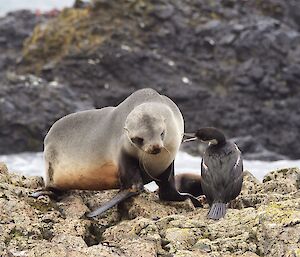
(234, 185)
(208, 184)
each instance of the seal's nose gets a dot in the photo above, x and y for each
(155, 149)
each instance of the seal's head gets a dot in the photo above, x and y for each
(146, 128)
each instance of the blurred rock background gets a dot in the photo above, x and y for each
(230, 64)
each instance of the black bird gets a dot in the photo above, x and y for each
(221, 170)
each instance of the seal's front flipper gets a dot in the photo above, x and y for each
(169, 193)
(121, 196)
(167, 189)
(194, 200)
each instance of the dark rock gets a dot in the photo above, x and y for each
(240, 60)
(164, 11)
(28, 108)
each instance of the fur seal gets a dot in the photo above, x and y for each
(221, 170)
(189, 183)
(122, 147)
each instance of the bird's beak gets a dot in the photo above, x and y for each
(191, 137)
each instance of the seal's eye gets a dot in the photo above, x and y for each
(137, 140)
(162, 135)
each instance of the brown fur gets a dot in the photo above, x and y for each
(189, 183)
(93, 178)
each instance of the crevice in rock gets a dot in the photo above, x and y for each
(94, 235)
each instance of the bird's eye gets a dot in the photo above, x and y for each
(162, 135)
(137, 140)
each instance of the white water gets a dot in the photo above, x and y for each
(31, 164)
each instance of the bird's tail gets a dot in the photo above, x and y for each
(217, 211)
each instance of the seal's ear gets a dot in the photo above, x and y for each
(126, 129)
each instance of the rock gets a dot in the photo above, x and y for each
(280, 228)
(3, 168)
(251, 185)
(268, 225)
(149, 205)
(253, 150)
(15, 27)
(282, 181)
(186, 253)
(73, 207)
(280, 185)
(164, 11)
(22, 127)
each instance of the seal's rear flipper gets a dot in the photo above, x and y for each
(121, 196)
(37, 194)
(51, 192)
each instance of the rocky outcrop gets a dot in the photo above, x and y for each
(263, 221)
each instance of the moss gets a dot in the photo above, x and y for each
(81, 30)
(69, 32)
(275, 213)
(13, 234)
(16, 233)
(206, 235)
